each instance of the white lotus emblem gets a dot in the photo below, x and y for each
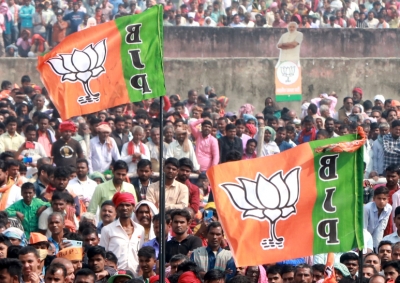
(82, 66)
(266, 199)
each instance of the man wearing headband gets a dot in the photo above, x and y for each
(103, 149)
(66, 150)
(124, 237)
(68, 257)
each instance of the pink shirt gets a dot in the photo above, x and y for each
(207, 150)
(44, 141)
(244, 139)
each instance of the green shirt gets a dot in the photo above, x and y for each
(106, 191)
(31, 220)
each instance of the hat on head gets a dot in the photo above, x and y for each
(191, 15)
(230, 114)
(121, 273)
(67, 126)
(37, 238)
(342, 268)
(359, 90)
(119, 198)
(16, 233)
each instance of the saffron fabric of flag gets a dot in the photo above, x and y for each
(110, 64)
(304, 201)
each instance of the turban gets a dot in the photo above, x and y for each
(72, 253)
(223, 100)
(359, 90)
(104, 127)
(379, 97)
(67, 126)
(395, 103)
(252, 129)
(118, 198)
(272, 131)
(188, 277)
(16, 233)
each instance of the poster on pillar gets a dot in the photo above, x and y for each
(288, 69)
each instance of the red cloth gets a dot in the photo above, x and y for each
(252, 129)
(67, 126)
(119, 198)
(131, 149)
(156, 278)
(359, 90)
(303, 133)
(194, 196)
(188, 277)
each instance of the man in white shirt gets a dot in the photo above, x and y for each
(191, 21)
(371, 21)
(124, 237)
(82, 185)
(30, 148)
(236, 22)
(103, 149)
(394, 237)
(332, 24)
(134, 151)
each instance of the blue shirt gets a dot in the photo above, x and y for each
(26, 15)
(375, 224)
(55, 244)
(115, 4)
(154, 244)
(75, 19)
(285, 146)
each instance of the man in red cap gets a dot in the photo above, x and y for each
(124, 237)
(66, 150)
(357, 96)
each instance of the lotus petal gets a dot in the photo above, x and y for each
(57, 66)
(237, 196)
(67, 62)
(80, 60)
(84, 76)
(292, 180)
(286, 211)
(97, 71)
(283, 189)
(101, 50)
(272, 214)
(255, 213)
(92, 55)
(69, 77)
(267, 193)
(251, 192)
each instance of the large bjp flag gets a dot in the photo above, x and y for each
(114, 63)
(303, 201)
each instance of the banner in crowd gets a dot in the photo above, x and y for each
(304, 201)
(114, 63)
(288, 81)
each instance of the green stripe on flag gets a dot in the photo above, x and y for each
(288, 97)
(147, 47)
(342, 214)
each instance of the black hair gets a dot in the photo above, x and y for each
(82, 160)
(89, 231)
(240, 122)
(274, 269)
(240, 279)
(190, 266)
(173, 161)
(110, 256)
(25, 79)
(319, 267)
(230, 127)
(178, 257)
(250, 141)
(384, 243)
(348, 256)
(11, 163)
(286, 268)
(30, 128)
(96, 250)
(60, 196)
(381, 190)
(174, 278)
(11, 119)
(29, 250)
(393, 263)
(5, 84)
(214, 224)
(367, 105)
(395, 123)
(85, 272)
(308, 119)
(207, 122)
(186, 162)
(346, 98)
(27, 186)
(4, 240)
(214, 274)
(181, 212)
(393, 168)
(43, 116)
(301, 266)
(323, 132)
(147, 252)
(54, 267)
(13, 251)
(233, 155)
(313, 108)
(107, 202)
(121, 165)
(144, 163)
(12, 265)
(62, 172)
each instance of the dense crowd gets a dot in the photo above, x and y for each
(30, 28)
(79, 199)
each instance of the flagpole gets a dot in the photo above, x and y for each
(360, 264)
(161, 254)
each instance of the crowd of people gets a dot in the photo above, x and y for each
(30, 28)
(79, 199)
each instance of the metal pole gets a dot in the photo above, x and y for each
(161, 255)
(360, 265)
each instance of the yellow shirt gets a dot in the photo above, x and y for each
(176, 195)
(8, 142)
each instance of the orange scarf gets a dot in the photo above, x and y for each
(131, 149)
(5, 191)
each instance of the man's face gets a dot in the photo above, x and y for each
(396, 252)
(82, 170)
(61, 183)
(77, 264)
(125, 210)
(13, 171)
(253, 272)
(144, 173)
(370, 16)
(392, 179)
(275, 278)
(104, 135)
(119, 176)
(30, 136)
(330, 126)
(390, 273)
(240, 130)
(91, 240)
(250, 148)
(317, 275)
(395, 131)
(70, 273)
(55, 224)
(119, 127)
(66, 135)
(231, 134)
(193, 97)
(5, 277)
(206, 130)
(221, 125)
(383, 131)
(292, 27)
(378, 103)
(96, 263)
(39, 101)
(373, 260)
(27, 195)
(236, 19)
(214, 237)
(368, 272)
(184, 173)
(174, 266)
(146, 264)
(381, 200)
(76, 7)
(84, 279)
(108, 214)
(303, 275)
(155, 135)
(180, 137)
(170, 171)
(280, 135)
(348, 104)
(143, 214)
(11, 127)
(29, 263)
(58, 205)
(385, 253)
(43, 125)
(179, 225)
(57, 277)
(288, 277)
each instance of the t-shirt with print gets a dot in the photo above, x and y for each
(66, 154)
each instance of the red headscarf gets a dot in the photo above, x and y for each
(188, 277)
(119, 198)
(252, 129)
(67, 126)
(359, 90)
